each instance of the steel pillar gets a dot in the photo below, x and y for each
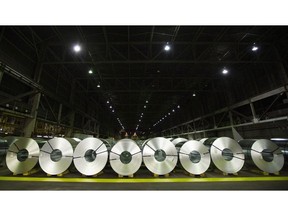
(30, 122)
(59, 114)
(69, 132)
(255, 120)
(1, 73)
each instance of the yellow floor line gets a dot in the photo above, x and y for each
(142, 180)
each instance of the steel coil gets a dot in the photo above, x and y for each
(90, 156)
(227, 155)
(179, 140)
(203, 140)
(194, 157)
(160, 156)
(265, 154)
(56, 156)
(125, 157)
(22, 155)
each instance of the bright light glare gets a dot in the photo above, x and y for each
(167, 47)
(225, 71)
(254, 48)
(77, 48)
(98, 86)
(90, 71)
(194, 95)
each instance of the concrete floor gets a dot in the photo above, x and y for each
(271, 185)
(144, 173)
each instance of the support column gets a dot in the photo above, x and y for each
(1, 73)
(255, 120)
(59, 114)
(35, 100)
(30, 123)
(69, 132)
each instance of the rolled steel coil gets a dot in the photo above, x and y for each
(179, 140)
(125, 157)
(203, 140)
(194, 157)
(160, 156)
(22, 154)
(265, 154)
(90, 156)
(227, 155)
(56, 156)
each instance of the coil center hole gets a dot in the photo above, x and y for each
(56, 155)
(195, 156)
(90, 155)
(227, 154)
(22, 155)
(125, 157)
(160, 155)
(267, 155)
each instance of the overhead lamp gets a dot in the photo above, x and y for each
(165, 116)
(113, 111)
(90, 72)
(225, 71)
(254, 48)
(145, 107)
(173, 110)
(167, 47)
(77, 48)
(169, 113)
(110, 107)
(98, 86)
(147, 101)
(142, 114)
(194, 95)
(107, 102)
(178, 106)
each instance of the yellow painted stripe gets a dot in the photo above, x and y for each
(142, 180)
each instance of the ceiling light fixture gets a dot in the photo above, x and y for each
(194, 95)
(98, 86)
(77, 48)
(178, 106)
(167, 47)
(225, 71)
(254, 48)
(90, 72)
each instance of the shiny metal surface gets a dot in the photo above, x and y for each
(22, 155)
(179, 140)
(90, 156)
(56, 156)
(227, 155)
(125, 157)
(203, 140)
(194, 157)
(160, 155)
(267, 156)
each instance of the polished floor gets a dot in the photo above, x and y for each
(144, 180)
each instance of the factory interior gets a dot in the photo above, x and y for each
(143, 107)
(155, 107)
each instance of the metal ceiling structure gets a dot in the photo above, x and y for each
(134, 74)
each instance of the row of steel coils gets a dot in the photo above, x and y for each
(160, 155)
